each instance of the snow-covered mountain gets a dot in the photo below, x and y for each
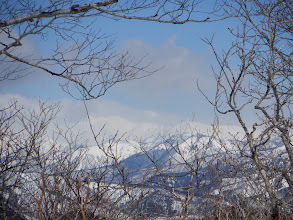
(178, 165)
(157, 176)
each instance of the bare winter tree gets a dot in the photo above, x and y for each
(43, 179)
(21, 137)
(12, 160)
(255, 78)
(80, 55)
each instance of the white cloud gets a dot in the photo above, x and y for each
(179, 68)
(129, 122)
(116, 116)
(26, 75)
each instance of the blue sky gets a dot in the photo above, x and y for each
(168, 97)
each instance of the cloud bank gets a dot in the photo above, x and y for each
(178, 68)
